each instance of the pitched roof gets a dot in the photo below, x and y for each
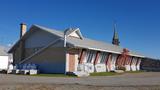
(82, 43)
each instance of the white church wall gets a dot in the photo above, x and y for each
(89, 67)
(127, 67)
(113, 62)
(138, 64)
(133, 65)
(100, 68)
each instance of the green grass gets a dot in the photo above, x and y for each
(104, 74)
(113, 73)
(53, 75)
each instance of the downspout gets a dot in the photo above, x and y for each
(65, 40)
(64, 46)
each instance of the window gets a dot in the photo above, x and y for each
(134, 60)
(102, 57)
(87, 55)
(114, 58)
(90, 56)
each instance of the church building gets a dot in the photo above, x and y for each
(68, 51)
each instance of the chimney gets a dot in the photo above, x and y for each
(23, 29)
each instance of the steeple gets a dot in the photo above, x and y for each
(115, 39)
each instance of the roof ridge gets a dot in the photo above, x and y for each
(48, 29)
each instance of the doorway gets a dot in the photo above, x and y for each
(72, 62)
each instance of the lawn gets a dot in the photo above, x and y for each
(104, 74)
(112, 73)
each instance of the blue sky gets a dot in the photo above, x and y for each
(138, 21)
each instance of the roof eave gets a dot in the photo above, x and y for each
(109, 51)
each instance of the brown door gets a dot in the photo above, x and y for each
(71, 62)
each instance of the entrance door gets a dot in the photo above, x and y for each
(71, 62)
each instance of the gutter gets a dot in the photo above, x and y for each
(113, 52)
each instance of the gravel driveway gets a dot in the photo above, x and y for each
(132, 81)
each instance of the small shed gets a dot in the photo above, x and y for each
(5, 58)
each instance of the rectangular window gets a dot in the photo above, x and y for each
(103, 57)
(114, 58)
(87, 55)
(90, 56)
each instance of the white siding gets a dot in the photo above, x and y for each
(4, 62)
(133, 65)
(113, 62)
(74, 34)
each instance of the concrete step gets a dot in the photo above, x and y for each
(119, 71)
(81, 74)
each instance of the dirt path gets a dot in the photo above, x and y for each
(135, 81)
